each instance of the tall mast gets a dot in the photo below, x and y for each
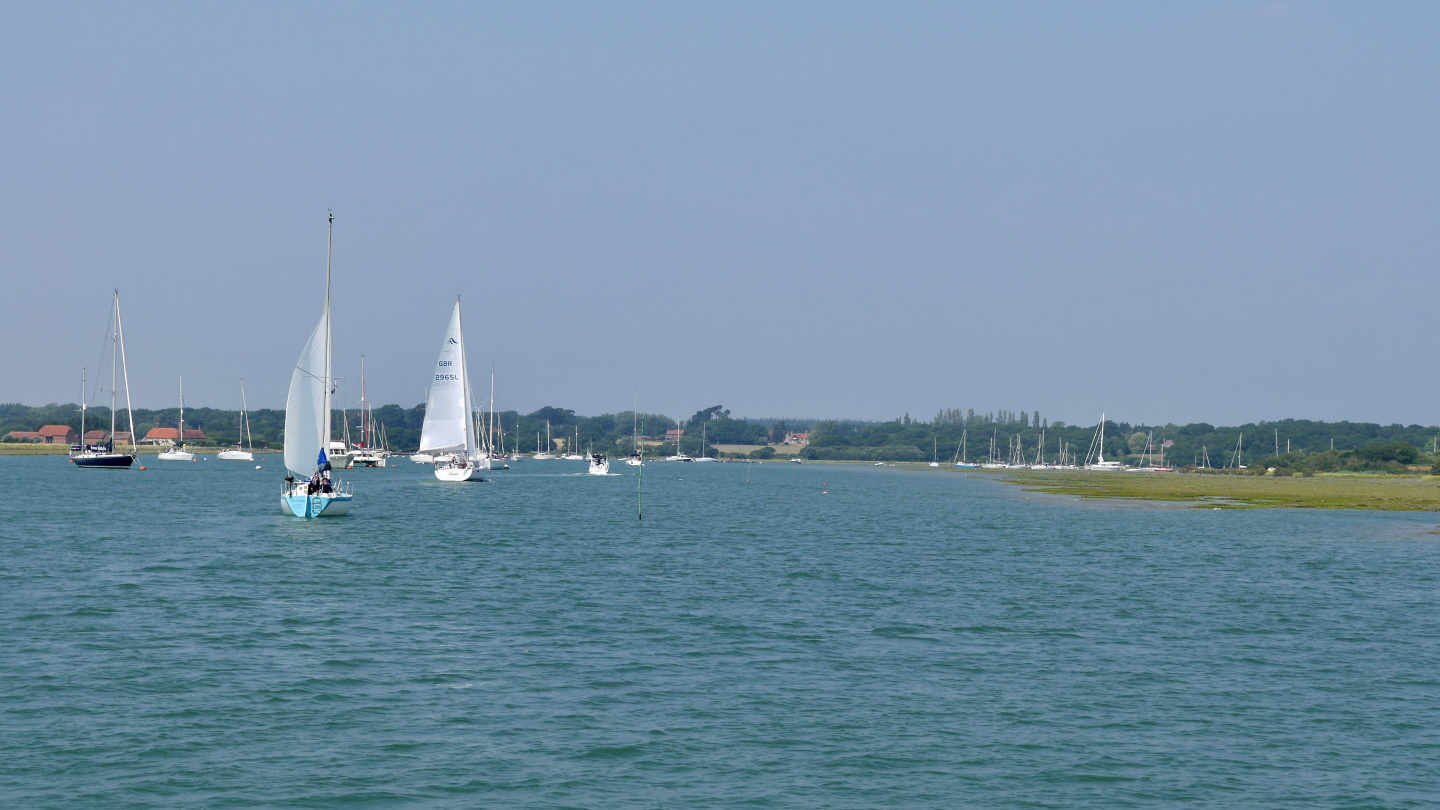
(364, 423)
(469, 402)
(114, 355)
(182, 411)
(83, 386)
(490, 434)
(120, 338)
(329, 249)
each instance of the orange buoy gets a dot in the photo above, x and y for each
(142, 466)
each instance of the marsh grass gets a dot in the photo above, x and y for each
(1384, 492)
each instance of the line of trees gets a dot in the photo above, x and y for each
(1303, 446)
(606, 432)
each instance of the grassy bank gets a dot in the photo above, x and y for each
(1386, 492)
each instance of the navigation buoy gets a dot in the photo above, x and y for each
(142, 466)
(257, 466)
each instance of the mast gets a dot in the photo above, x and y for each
(245, 417)
(83, 386)
(325, 398)
(490, 434)
(364, 423)
(120, 338)
(114, 355)
(635, 419)
(465, 376)
(181, 437)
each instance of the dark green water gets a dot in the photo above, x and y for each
(823, 637)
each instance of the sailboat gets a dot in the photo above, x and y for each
(574, 454)
(103, 455)
(544, 455)
(448, 427)
(311, 491)
(934, 452)
(960, 460)
(239, 453)
(178, 452)
(634, 459)
(703, 457)
(679, 454)
(1095, 458)
(366, 455)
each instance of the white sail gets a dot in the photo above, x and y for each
(447, 424)
(307, 415)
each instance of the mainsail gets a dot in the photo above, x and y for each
(307, 411)
(447, 426)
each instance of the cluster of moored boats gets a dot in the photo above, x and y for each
(1017, 458)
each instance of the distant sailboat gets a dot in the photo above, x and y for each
(1095, 459)
(635, 459)
(960, 460)
(544, 455)
(448, 427)
(310, 489)
(103, 455)
(177, 452)
(574, 454)
(934, 452)
(240, 452)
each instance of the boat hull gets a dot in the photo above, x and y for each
(175, 457)
(315, 506)
(455, 474)
(235, 455)
(106, 461)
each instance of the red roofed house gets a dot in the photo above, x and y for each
(167, 436)
(672, 435)
(95, 436)
(797, 438)
(58, 434)
(23, 436)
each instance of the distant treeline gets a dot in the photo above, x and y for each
(906, 439)
(607, 432)
(1304, 446)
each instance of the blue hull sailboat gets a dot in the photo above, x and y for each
(311, 490)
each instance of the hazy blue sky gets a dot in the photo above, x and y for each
(1216, 212)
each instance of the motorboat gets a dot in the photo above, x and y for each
(599, 464)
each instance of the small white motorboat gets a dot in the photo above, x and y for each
(599, 464)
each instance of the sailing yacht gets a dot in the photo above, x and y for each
(178, 452)
(544, 455)
(103, 455)
(634, 459)
(1095, 459)
(934, 452)
(679, 454)
(365, 454)
(311, 489)
(448, 427)
(239, 452)
(960, 452)
(703, 457)
(573, 455)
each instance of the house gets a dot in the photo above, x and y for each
(58, 434)
(674, 435)
(797, 439)
(122, 437)
(167, 436)
(23, 436)
(96, 436)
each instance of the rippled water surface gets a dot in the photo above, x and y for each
(819, 637)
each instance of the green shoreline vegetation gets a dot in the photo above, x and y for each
(1371, 491)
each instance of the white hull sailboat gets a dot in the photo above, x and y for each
(449, 428)
(311, 490)
(178, 451)
(1096, 457)
(238, 452)
(635, 459)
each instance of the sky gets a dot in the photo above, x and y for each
(1219, 212)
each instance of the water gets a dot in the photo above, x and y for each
(821, 637)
